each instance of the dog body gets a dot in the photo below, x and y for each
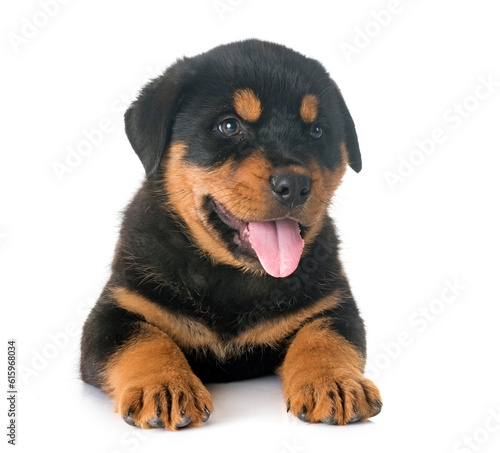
(227, 264)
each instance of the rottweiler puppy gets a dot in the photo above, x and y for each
(227, 262)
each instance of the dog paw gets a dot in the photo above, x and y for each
(335, 398)
(166, 402)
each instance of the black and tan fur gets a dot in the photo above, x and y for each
(187, 303)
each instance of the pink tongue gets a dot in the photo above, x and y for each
(278, 245)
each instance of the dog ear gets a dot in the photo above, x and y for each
(148, 121)
(351, 137)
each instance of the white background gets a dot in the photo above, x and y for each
(436, 362)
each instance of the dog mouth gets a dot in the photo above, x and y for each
(277, 244)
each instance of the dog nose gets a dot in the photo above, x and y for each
(291, 189)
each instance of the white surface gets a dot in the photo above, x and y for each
(440, 386)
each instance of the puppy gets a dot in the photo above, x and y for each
(227, 263)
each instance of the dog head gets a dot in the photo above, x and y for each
(249, 142)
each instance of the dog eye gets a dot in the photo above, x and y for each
(316, 131)
(229, 127)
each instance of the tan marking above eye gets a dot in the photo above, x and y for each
(309, 108)
(247, 105)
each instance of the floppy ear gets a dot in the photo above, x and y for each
(351, 137)
(148, 121)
